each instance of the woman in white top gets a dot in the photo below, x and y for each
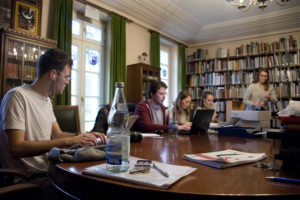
(260, 92)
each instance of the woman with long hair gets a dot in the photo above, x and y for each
(260, 92)
(182, 107)
(207, 102)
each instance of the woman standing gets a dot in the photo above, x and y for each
(260, 92)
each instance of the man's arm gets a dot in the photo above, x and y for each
(19, 147)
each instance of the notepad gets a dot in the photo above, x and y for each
(224, 159)
(154, 178)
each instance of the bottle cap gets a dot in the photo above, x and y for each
(119, 84)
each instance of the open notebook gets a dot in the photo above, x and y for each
(200, 121)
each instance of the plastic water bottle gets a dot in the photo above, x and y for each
(173, 122)
(118, 137)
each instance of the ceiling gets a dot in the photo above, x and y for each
(203, 21)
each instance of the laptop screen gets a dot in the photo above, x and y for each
(200, 121)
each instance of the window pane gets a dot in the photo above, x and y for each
(164, 57)
(74, 82)
(93, 33)
(92, 63)
(75, 56)
(89, 126)
(164, 72)
(74, 100)
(92, 83)
(91, 108)
(75, 27)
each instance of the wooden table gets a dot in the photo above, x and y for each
(237, 182)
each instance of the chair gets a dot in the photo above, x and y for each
(10, 190)
(101, 124)
(67, 118)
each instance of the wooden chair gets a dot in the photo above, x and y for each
(67, 118)
(10, 190)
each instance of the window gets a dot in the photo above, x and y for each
(87, 90)
(164, 70)
(169, 69)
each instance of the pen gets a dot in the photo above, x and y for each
(280, 179)
(164, 173)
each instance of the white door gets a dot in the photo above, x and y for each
(87, 71)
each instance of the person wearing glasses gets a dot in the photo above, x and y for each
(260, 92)
(28, 125)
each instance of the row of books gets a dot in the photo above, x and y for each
(242, 77)
(287, 90)
(12, 70)
(207, 79)
(283, 90)
(247, 63)
(198, 54)
(284, 75)
(29, 72)
(255, 48)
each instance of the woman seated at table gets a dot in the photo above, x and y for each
(207, 102)
(182, 108)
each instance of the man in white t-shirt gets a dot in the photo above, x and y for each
(28, 128)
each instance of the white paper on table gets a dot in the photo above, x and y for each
(150, 135)
(153, 178)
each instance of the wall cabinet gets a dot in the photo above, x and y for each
(139, 77)
(19, 54)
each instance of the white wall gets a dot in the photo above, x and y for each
(137, 42)
(47, 21)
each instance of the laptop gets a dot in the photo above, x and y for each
(200, 121)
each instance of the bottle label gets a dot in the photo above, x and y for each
(173, 125)
(114, 151)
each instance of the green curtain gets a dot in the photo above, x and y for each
(155, 49)
(117, 69)
(63, 35)
(181, 68)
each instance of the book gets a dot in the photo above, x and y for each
(225, 159)
(153, 178)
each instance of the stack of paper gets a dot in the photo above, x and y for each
(153, 178)
(224, 159)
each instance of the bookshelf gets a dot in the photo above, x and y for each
(19, 54)
(139, 77)
(229, 76)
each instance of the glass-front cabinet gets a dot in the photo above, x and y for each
(19, 54)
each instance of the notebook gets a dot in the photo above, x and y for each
(200, 121)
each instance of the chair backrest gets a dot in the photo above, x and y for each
(67, 118)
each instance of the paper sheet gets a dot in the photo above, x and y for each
(153, 178)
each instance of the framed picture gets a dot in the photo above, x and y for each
(27, 16)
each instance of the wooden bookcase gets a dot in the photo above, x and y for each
(229, 77)
(19, 54)
(139, 77)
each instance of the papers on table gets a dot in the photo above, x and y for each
(150, 135)
(154, 178)
(224, 159)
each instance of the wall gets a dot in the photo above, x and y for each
(47, 19)
(137, 42)
(232, 44)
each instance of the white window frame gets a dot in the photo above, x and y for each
(82, 42)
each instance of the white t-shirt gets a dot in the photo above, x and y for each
(24, 109)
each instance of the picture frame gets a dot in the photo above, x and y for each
(27, 16)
